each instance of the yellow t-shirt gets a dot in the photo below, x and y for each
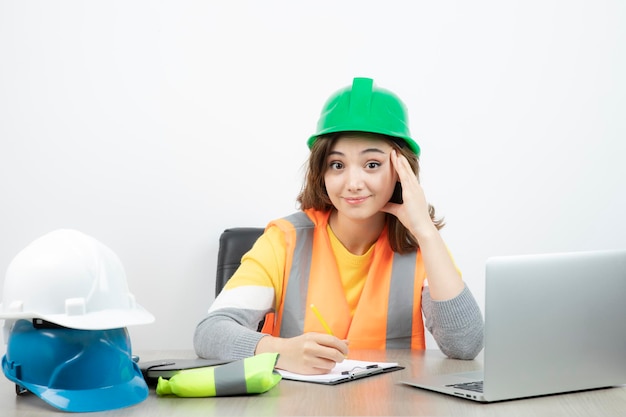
(353, 269)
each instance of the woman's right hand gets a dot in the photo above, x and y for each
(309, 353)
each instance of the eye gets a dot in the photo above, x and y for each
(372, 164)
(336, 165)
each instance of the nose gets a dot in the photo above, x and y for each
(355, 180)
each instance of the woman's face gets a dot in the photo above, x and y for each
(359, 175)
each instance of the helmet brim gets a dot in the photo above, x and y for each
(122, 395)
(98, 320)
(410, 142)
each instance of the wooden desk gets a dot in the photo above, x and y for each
(381, 395)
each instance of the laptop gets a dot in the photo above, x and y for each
(554, 323)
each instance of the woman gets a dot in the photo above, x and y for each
(359, 252)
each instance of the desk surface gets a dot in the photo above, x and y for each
(380, 395)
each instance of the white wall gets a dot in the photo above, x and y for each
(154, 125)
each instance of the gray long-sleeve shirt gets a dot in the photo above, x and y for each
(456, 325)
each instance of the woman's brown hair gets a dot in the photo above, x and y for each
(313, 194)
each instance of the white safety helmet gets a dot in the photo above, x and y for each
(70, 279)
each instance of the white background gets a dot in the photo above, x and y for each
(154, 125)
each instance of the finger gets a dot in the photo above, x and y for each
(337, 349)
(401, 165)
(324, 365)
(342, 347)
(331, 348)
(405, 172)
(323, 359)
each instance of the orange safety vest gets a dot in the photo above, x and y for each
(389, 312)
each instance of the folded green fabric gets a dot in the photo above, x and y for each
(252, 375)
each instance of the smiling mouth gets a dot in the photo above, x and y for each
(355, 200)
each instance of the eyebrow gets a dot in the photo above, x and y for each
(364, 151)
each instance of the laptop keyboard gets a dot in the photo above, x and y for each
(476, 386)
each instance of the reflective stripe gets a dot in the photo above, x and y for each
(400, 307)
(230, 379)
(292, 323)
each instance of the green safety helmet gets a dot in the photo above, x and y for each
(363, 107)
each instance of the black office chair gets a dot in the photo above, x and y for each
(234, 243)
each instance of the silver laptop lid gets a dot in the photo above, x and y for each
(554, 323)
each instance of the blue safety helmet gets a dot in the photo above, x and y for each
(74, 370)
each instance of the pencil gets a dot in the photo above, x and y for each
(321, 319)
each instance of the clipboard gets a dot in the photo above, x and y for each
(346, 371)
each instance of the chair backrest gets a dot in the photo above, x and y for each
(234, 243)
